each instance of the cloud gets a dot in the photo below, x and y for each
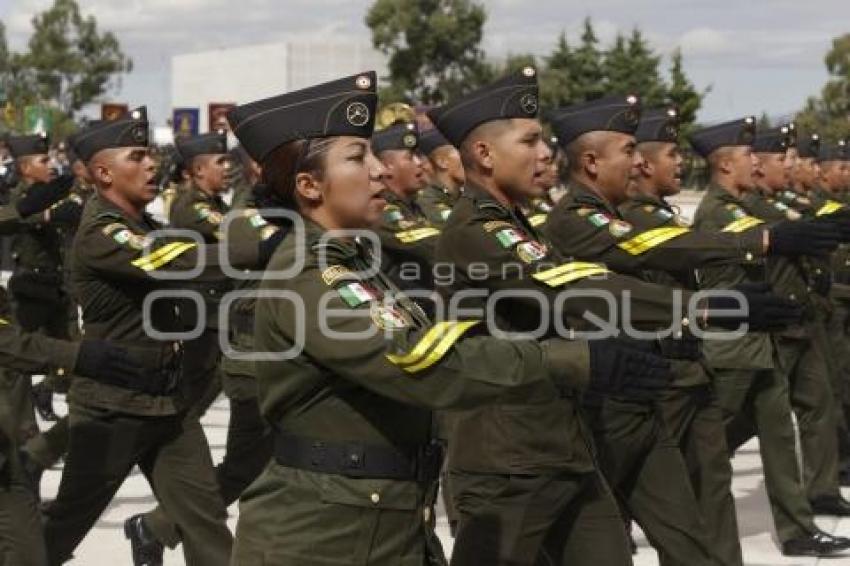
(705, 41)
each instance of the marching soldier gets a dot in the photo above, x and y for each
(750, 382)
(354, 466)
(437, 199)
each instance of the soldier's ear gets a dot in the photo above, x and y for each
(590, 162)
(308, 187)
(647, 169)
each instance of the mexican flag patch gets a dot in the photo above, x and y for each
(355, 294)
(509, 237)
(599, 219)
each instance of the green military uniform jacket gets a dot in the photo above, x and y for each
(436, 204)
(115, 266)
(407, 243)
(193, 209)
(493, 247)
(720, 211)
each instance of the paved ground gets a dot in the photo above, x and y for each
(106, 546)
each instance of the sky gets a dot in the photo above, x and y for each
(754, 55)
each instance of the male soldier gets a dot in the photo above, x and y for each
(21, 536)
(561, 508)
(199, 208)
(42, 302)
(804, 172)
(116, 424)
(751, 384)
(407, 236)
(437, 199)
(637, 453)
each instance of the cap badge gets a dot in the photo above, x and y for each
(357, 113)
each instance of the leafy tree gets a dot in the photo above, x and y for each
(618, 68)
(586, 71)
(555, 79)
(433, 47)
(829, 114)
(683, 94)
(74, 63)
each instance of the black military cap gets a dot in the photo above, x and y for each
(398, 136)
(512, 96)
(735, 132)
(213, 143)
(808, 145)
(130, 130)
(610, 114)
(21, 146)
(658, 125)
(833, 152)
(430, 140)
(773, 140)
(344, 107)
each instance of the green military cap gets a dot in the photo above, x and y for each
(732, 133)
(130, 130)
(398, 136)
(430, 140)
(773, 140)
(344, 107)
(512, 96)
(71, 141)
(609, 114)
(35, 144)
(808, 145)
(833, 152)
(658, 125)
(213, 143)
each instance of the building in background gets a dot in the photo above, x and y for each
(246, 73)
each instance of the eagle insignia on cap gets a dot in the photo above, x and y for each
(409, 140)
(528, 103)
(139, 134)
(357, 113)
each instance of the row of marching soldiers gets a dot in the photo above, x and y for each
(552, 433)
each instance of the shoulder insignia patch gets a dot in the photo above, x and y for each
(599, 219)
(392, 213)
(619, 228)
(389, 317)
(531, 251)
(494, 225)
(510, 236)
(356, 293)
(333, 274)
(584, 211)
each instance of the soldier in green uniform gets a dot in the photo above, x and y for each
(41, 300)
(354, 466)
(21, 536)
(437, 199)
(407, 236)
(199, 208)
(750, 378)
(118, 423)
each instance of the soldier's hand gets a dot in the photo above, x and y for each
(838, 222)
(101, 360)
(761, 309)
(39, 196)
(627, 368)
(805, 237)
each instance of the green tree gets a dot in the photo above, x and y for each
(683, 94)
(73, 62)
(555, 79)
(586, 71)
(646, 79)
(829, 114)
(617, 67)
(433, 47)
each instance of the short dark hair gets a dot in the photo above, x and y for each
(284, 162)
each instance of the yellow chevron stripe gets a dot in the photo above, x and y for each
(575, 276)
(417, 234)
(163, 259)
(443, 346)
(566, 268)
(651, 238)
(423, 345)
(537, 220)
(742, 224)
(829, 207)
(3, 321)
(156, 253)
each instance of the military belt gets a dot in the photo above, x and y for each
(161, 368)
(358, 460)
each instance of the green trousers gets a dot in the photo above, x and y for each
(695, 421)
(21, 535)
(645, 468)
(545, 520)
(172, 453)
(759, 400)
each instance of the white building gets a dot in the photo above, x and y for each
(243, 74)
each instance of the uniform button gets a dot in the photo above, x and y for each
(809, 289)
(818, 271)
(749, 256)
(60, 371)
(426, 514)
(376, 498)
(175, 346)
(792, 296)
(685, 322)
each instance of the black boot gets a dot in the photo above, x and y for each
(147, 551)
(817, 544)
(834, 505)
(42, 400)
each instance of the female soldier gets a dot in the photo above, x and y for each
(353, 464)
